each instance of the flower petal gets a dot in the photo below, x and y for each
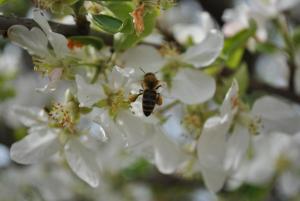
(59, 44)
(34, 41)
(38, 145)
(144, 57)
(205, 52)
(211, 150)
(167, 155)
(134, 128)
(276, 115)
(272, 108)
(289, 183)
(58, 41)
(287, 4)
(192, 86)
(230, 104)
(119, 77)
(54, 78)
(82, 162)
(196, 30)
(40, 19)
(30, 116)
(88, 94)
(273, 70)
(237, 147)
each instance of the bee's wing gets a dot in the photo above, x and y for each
(164, 91)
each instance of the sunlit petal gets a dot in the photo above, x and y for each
(143, 57)
(167, 155)
(82, 162)
(192, 86)
(211, 149)
(88, 94)
(206, 52)
(34, 40)
(36, 146)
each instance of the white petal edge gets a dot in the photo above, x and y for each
(30, 116)
(88, 94)
(35, 147)
(167, 155)
(58, 41)
(144, 57)
(206, 52)
(272, 108)
(192, 86)
(211, 149)
(33, 40)
(41, 20)
(228, 107)
(237, 147)
(82, 162)
(135, 129)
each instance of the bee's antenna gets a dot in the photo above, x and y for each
(156, 72)
(142, 70)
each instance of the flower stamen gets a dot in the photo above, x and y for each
(61, 117)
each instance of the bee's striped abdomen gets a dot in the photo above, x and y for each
(149, 99)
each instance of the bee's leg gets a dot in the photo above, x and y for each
(158, 100)
(133, 97)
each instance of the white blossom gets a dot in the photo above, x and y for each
(44, 141)
(238, 18)
(36, 42)
(114, 114)
(187, 21)
(271, 8)
(273, 70)
(218, 153)
(272, 154)
(201, 87)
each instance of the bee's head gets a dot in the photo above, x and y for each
(149, 75)
(150, 80)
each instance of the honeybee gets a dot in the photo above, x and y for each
(151, 97)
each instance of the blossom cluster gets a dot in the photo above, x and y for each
(208, 123)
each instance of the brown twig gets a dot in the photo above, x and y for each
(285, 93)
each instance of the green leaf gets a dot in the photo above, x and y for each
(6, 93)
(139, 168)
(121, 10)
(241, 75)
(123, 40)
(89, 40)
(3, 2)
(247, 193)
(234, 46)
(266, 47)
(296, 37)
(107, 23)
(127, 26)
(235, 58)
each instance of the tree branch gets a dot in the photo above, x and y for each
(285, 93)
(64, 29)
(255, 85)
